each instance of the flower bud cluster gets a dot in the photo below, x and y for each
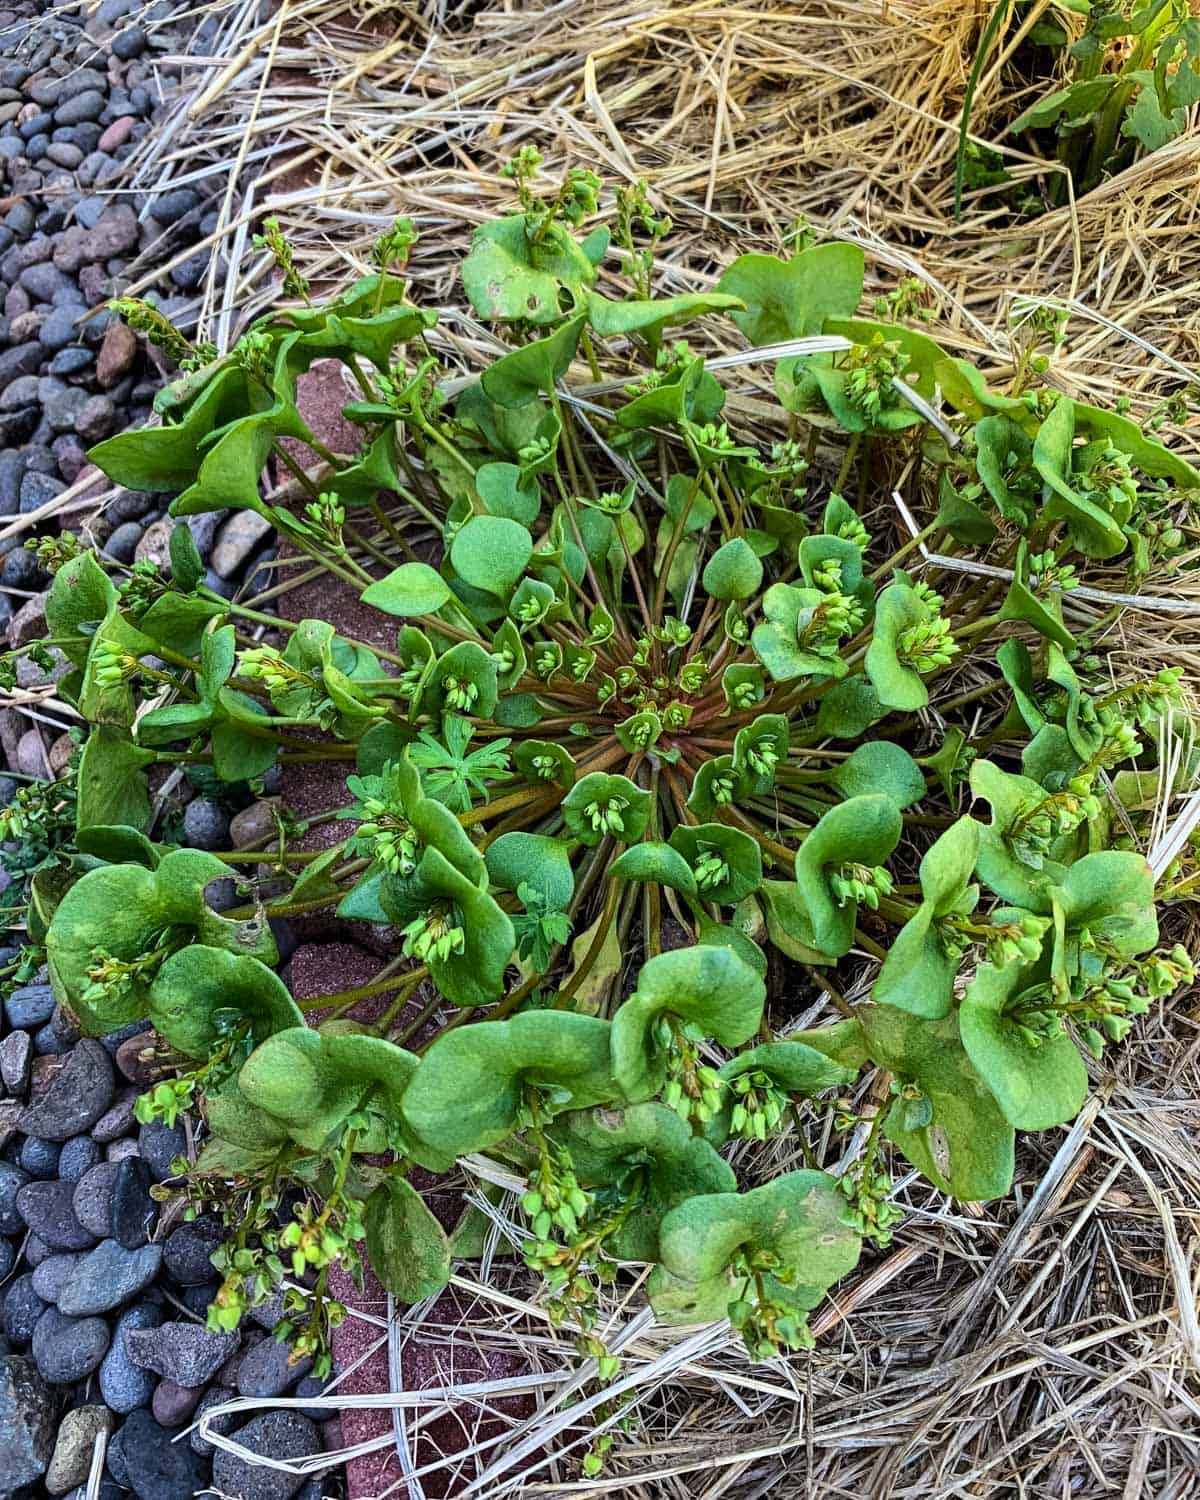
(855, 882)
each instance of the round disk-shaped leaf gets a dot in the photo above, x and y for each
(407, 1247)
(600, 803)
(793, 1067)
(727, 863)
(880, 766)
(645, 1153)
(125, 911)
(962, 1141)
(491, 553)
(863, 831)
(292, 1077)
(801, 1217)
(898, 686)
(733, 571)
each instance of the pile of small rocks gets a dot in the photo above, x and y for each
(102, 1291)
(102, 1303)
(80, 90)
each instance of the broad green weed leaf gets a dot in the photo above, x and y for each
(411, 589)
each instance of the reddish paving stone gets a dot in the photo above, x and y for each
(335, 956)
(425, 1365)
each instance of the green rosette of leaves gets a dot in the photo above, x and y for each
(657, 728)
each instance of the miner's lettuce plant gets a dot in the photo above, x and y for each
(669, 729)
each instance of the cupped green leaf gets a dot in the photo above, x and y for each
(897, 684)
(801, 1218)
(128, 913)
(733, 571)
(788, 642)
(292, 1078)
(647, 1154)
(491, 553)
(167, 459)
(506, 491)
(1105, 901)
(919, 971)
(509, 276)
(709, 987)
(470, 1088)
(1091, 530)
(601, 804)
(654, 862)
(792, 1067)
(726, 863)
(77, 601)
(201, 994)
(111, 785)
(533, 369)
(949, 1126)
(442, 901)
(861, 832)
(1022, 604)
(849, 708)
(880, 766)
(1004, 863)
(791, 299)
(1037, 1080)
(409, 1250)
(517, 859)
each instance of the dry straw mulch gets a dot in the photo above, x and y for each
(1046, 1345)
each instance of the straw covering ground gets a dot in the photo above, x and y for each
(1049, 1344)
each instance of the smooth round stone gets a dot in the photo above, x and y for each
(77, 1157)
(157, 1468)
(71, 360)
(12, 1180)
(159, 1144)
(38, 1157)
(29, 1007)
(68, 1349)
(48, 1209)
(129, 43)
(109, 1276)
(124, 1385)
(86, 106)
(205, 824)
(22, 1310)
(216, 1395)
(117, 1120)
(121, 544)
(52, 1276)
(28, 1416)
(92, 1199)
(172, 1404)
